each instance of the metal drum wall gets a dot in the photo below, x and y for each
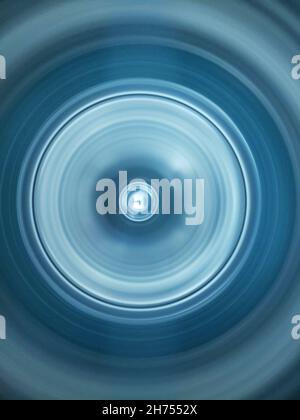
(111, 307)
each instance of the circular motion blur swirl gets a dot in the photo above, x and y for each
(105, 307)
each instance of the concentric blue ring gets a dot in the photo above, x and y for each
(147, 275)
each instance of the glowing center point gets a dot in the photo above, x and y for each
(138, 201)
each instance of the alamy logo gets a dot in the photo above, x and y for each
(296, 328)
(2, 328)
(140, 200)
(2, 67)
(296, 68)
